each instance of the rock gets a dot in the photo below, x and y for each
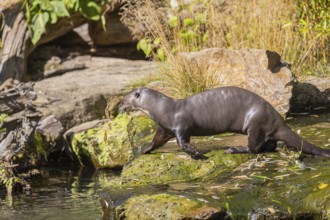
(109, 143)
(176, 167)
(80, 96)
(112, 108)
(48, 136)
(165, 206)
(261, 71)
(321, 83)
(115, 32)
(264, 186)
(311, 95)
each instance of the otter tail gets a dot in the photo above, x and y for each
(295, 142)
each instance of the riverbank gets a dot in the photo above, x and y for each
(64, 192)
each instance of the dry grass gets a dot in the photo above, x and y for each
(236, 24)
(272, 25)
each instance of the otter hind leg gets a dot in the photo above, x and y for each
(269, 146)
(256, 143)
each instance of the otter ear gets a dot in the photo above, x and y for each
(137, 95)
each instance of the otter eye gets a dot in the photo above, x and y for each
(137, 95)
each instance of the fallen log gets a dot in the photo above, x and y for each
(13, 100)
(26, 139)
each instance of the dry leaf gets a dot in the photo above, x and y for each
(322, 185)
(271, 210)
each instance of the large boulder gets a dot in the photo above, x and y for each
(265, 187)
(261, 71)
(113, 33)
(81, 95)
(109, 143)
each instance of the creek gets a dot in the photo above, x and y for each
(66, 193)
(62, 193)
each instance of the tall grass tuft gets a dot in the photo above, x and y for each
(298, 30)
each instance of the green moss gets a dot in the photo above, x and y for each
(39, 143)
(162, 206)
(111, 145)
(8, 178)
(173, 167)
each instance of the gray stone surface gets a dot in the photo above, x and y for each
(79, 96)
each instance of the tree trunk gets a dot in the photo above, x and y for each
(17, 45)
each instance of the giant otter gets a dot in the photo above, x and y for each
(215, 111)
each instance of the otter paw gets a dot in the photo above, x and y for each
(199, 156)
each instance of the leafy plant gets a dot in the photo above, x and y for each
(7, 177)
(40, 13)
(184, 34)
(2, 119)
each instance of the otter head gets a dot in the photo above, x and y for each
(132, 101)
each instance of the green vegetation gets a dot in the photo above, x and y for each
(39, 13)
(239, 183)
(298, 30)
(6, 178)
(2, 119)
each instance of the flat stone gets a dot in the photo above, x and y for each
(80, 96)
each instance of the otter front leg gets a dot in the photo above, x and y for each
(161, 137)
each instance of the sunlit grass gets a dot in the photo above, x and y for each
(264, 24)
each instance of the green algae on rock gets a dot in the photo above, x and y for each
(159, 168)
(165, 206)
(111, 144)
(270, 187)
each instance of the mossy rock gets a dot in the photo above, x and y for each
(276, 186)
(319, 199)
(111, 144)
(162, 168)
(165, 206)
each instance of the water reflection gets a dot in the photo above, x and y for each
(60, 194)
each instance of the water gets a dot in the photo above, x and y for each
(60, 194)
(64, 193)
